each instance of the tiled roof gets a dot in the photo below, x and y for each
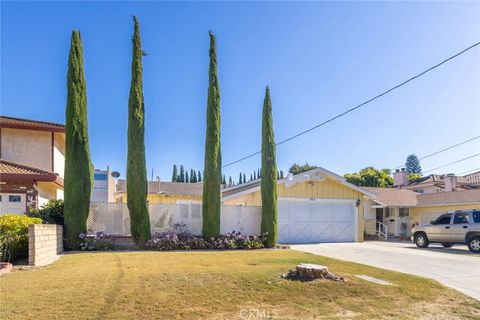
(473, 177)
(394, 197)
(168, 188)
(465, 196)
(11, 122)
(10, 171)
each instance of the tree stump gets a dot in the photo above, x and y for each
(309, 272)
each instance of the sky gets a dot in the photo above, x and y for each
(318, 58)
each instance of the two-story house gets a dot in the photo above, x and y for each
(32, 159)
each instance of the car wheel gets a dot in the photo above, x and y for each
(421, 240)
(447, 245)
(474, 244)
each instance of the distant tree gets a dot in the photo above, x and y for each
(193, 176)
(269, 171)
(78, 166)
(230, 182)
(244, 178)
(259, 174)
(199, 177)
(187, 180)
(281, 174)
(181, 177)
(240, 178)
(254, 175)
(414, 176)
(174, 173)
(296, 168)
(224, 182)
(251, 177)
(412, 164)
(136, 163)
(213, 157)
(371, 177)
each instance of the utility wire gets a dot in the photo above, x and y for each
(440, 151)
(468, 171)
(361, 104)
(446, 165)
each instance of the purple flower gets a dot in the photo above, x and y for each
(82, 235)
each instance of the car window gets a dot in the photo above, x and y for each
(476, 216)
(444, 219)
(461, 217)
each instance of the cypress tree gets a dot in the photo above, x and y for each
(175, 173)
(182, 174)
(254, 175)
(199, 176)
(78, 167)
(194, 176)
(281, 174)
(187, 180)
(251, 177)
(224, 182)
(230, 182)
(244, 178)
(136, 166)
(240, 181)
(213, 158)
(269, 174)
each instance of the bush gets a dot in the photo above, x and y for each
(51, 212)
(14, 236)
(163, 241)
(94, 242)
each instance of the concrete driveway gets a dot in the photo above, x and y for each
(455, 267)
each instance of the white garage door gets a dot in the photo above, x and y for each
(305, 221)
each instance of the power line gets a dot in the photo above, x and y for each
(361, 104)
(468, 171)
(446, 165)
(440, 151)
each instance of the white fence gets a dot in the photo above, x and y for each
(113, 218)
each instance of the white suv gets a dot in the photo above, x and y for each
(459, 227)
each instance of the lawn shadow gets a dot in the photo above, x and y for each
(114, 292)
(458, 251)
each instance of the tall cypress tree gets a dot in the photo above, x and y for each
(224, 182)
(213, 158)
(78, 167)
(230, 182)
(240, 178)
(269, 174)
(199, 178)
(244, 178)
(136, 166)
(254, 175)
(182, 174)
(175, 173)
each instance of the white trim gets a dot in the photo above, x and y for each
(241, 193)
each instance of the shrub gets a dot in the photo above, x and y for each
(163, 241)
(51, 212)
(94, 242)
(14, 236)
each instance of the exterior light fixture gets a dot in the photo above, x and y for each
(357, 203)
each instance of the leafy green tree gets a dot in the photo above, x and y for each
(136, 164)
(174, 173)
(269, 174)
(296, 168)
(181, 177)
(414, 176)
(412, 164)
(213, 157)
(78, 167)
(371, 177)
(52, 212)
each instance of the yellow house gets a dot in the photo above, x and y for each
(394, 211)
(165, 192)
(313, 206)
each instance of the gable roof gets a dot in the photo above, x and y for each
(19, 123)
(453, 197)
(439, 179)
(254, 186)
(167, 188)
(10, 171)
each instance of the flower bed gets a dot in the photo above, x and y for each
(164, 241)
(94, 242)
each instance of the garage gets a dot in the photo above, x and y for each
(322, 220)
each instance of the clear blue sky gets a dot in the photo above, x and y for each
(319, 59)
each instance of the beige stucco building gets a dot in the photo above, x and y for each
(32, 160)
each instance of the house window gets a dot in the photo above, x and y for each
(14, 199)
(403, 212)
(100, 176)
(418, 190)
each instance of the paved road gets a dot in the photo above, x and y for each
(455, 267)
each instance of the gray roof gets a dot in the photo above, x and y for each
(168, 188)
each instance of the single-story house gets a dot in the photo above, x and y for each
(394, 211)
(165, 192)
(313, 206)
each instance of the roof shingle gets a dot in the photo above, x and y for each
(11, 122)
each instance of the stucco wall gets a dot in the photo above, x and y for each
(48, 191)
(164, 199)
(45, 243)
(27, 147)
(59, 154)
(416, 213)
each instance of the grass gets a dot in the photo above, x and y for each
(218, 285)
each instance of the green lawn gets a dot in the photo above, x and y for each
(218, 285)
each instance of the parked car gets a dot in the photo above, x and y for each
(459, 227)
